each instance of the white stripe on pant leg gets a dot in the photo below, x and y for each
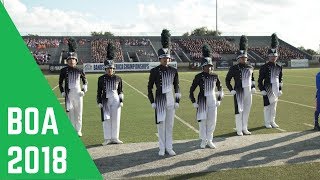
(211, 123)
(118, 121)
(169, 127)
(161, 134)
(238, 119)
(71, 115)
(273, 111)
(78, 114)
(247, 102)
(106, 124)
(266, 113)
(202, 129)
(115, 121)
(76, 104)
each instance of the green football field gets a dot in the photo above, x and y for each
(294, 113)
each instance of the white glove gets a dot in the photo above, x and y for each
(85, 87)
(153, 105)
(253, 90)
(195, 105)
(176, 105)
(178, 95)
(81, 93)
(218, 103)
(233, 92)
(280, 93)
(121, 104)
(121, 96)
(263, 92)
(63, 94)
(100, 105)
(221, 93)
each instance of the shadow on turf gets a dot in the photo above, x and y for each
(127, 160)
(234, 133)
(258, 157)
(93, 146)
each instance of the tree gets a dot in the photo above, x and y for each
(186, 34)
(107, 33)
(202, 31)
(309, 51)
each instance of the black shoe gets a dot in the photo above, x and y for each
(316, 128)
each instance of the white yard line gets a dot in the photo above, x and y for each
(290, 102)
(300, 85)
(157, 134)
(312, 77)
(310, 125)
(185, 80)
(177, 117)
(284, 84)
(55, 87)
(282, 130)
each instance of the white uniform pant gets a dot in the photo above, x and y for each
(207, 126)
(75, 110)
(243, 117)
(165, 129)
(111, 127)
(270, 113)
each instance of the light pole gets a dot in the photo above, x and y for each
(217, 17)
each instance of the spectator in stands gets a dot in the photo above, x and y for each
(99, 52)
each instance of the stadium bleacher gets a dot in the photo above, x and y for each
(92, 49)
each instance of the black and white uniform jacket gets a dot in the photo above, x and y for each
(207, 84)
(243, 77)
(165, 79)
(71, 77)
(109, 88)
(270, 80)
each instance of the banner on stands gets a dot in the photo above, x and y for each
(132, 66)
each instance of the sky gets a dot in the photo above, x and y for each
(294, 21)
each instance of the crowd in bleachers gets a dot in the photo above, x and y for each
(144, 53)
(175, 46)
(219, 46)
(41, 57)
(285, 53)
(40, 43)
(191, 46)
(99, 50)
(80, 42)
(136, 42)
